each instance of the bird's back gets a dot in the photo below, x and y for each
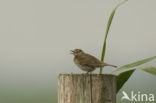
(89, 60)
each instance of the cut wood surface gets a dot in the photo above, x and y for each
(86, 88)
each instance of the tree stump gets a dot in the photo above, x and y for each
(86, 88)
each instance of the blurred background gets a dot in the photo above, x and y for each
(36, 36)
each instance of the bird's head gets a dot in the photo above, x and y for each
(76, 52)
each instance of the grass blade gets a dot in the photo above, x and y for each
(122, 78)
(107, 30)
(134, 64)
(149, 69)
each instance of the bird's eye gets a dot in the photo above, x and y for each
(79, 51)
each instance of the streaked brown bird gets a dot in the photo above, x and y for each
(86, 61)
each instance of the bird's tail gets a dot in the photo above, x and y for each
(106, 64)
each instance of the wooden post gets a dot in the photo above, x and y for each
(86, 88)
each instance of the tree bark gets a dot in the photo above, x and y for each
(86, 88)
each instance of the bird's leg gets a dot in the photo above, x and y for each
(87, 72)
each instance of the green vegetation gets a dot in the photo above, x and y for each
(126, 74)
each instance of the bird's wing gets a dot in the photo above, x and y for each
(90, 61)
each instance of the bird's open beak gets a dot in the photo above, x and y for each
(71, 51)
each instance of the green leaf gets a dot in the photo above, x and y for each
(122, 78)
(107, 30)
(149, 69)
(134, 64)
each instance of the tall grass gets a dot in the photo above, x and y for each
(107, 30)
(124, 76)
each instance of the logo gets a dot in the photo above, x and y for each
(138, 96)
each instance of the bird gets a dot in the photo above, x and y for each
(87, 62)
